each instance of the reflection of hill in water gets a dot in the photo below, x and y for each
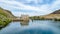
(3, 27)
(23, 23)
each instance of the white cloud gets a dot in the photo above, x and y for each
(20, 5)
(27, 13)
(55, 5)
(43, 9)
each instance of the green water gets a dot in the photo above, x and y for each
(32, 27)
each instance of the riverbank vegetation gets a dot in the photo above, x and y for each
(55, 17)
(4, 21)
(5, 16)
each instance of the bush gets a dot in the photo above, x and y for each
(55, 19)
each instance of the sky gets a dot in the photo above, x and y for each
(30, 7)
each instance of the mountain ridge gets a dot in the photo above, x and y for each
(56, 12)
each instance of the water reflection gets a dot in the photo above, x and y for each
(32, 27)
(24, 23)
(1, 27)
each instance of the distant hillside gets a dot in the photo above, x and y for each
(56, 12)
(53, 15)
(6, 13)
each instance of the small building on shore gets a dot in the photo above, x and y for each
(24, 17)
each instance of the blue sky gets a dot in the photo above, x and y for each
(30, 7)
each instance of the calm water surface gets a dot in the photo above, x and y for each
(32, 27)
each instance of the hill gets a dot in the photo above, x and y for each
(56, 12)
(54, 15)
(5, 17)
(6, 13)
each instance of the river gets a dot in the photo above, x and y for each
(32, 27)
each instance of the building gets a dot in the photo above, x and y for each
(24, 17)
